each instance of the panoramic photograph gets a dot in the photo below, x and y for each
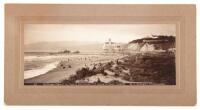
(99, 54)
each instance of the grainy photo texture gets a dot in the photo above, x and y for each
(99, 54)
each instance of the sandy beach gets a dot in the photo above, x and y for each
(138, 69)
(62, 70)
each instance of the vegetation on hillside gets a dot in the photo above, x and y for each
(159, 38)
(147, 68)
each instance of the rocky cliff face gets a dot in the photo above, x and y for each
(154, 43)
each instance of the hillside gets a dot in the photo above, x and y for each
(156, 42)
(158, 38)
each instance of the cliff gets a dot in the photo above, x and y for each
(156, 42)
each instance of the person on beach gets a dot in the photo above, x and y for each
(94, 67)
(117, 61)
(100, 64)
(86, 66)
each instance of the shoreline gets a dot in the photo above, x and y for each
(37, 72)
(57, 74)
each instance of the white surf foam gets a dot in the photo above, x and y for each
(33, 73)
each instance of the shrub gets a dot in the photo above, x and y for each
(84, 72)
(70, 80)
(115, 82)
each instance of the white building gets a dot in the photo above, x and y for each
(112, 46)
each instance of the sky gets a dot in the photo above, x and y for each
(123, 33)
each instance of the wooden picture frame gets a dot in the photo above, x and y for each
(183, 93)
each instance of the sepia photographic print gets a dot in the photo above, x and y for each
(99, 54)
(109, 54)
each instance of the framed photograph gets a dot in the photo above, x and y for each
(59, 54)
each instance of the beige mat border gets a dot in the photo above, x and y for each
(183, 93)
